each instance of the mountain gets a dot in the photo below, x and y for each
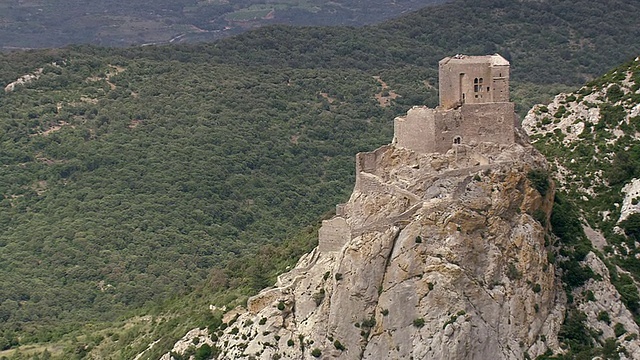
(446, 261)
(474, 253)
(42, 24)
(590, 137)
(141, 185)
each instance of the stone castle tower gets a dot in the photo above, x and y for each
(474, 107)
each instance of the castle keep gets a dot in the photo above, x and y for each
(474, 107)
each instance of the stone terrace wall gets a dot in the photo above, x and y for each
(333, 234)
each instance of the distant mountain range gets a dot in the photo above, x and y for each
(44, 24)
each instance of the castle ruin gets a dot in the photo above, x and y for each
(474, 108)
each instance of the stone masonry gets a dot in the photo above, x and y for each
(474, 108)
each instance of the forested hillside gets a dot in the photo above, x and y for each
(134, 175)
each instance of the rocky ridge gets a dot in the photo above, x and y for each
(444, 259)
(442, 256)
(592, 136)
(586, 130)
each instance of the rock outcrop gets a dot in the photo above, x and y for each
(443, 259)
(586, 134)
(446, 256)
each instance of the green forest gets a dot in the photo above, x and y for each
(160, 179)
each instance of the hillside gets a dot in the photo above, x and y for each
(132, 176)
(42, 24)
(591, 138)
(443, 260)
(473, 253)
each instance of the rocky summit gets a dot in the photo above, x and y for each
(469, 252)
(445, 259)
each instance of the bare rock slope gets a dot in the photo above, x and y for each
(443, 258)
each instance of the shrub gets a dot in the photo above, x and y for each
(628, 292)
(574, 274)
(574, 330)
(536, 288)
(419, 322)
(338, 276)
(318, 297)
(281, 305)
(540, 180)
(512, 272)
(631, 226)
(316, 352)
(540, 216)
(614, 93)
(560, 112)
(604, 317)
(338, 345)
(369, 323)
(619, 330)
(204, 352)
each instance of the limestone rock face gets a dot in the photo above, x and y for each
(443, 259)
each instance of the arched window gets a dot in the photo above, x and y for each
(477, 84)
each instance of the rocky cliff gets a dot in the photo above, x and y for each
(443, 257)
(591, 137)
(472, 254)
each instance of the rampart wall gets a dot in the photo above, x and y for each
(416, 130)
(333, 234)
(437, 130)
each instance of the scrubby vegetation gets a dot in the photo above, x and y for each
(594, 167)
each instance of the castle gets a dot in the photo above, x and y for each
(474, 107)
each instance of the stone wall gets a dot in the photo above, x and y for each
(427, 130)
(473, 80)
(493, 122)
(416, 130)
(368, 161)
(333, 234)
(449, 125)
